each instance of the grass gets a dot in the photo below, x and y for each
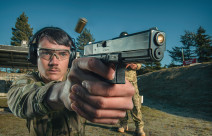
(12, 126)
(162, 123)
(3, 102)
(156, 123)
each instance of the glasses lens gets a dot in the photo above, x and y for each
(63, 54)
(45, 54)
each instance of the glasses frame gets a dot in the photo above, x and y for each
(54, 50)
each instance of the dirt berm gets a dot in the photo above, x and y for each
(184, 91)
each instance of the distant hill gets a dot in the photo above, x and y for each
(185, 91)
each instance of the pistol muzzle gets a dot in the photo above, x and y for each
(159, 38)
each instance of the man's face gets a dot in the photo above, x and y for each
(53, 69)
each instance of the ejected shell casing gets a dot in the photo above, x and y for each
(80, 25)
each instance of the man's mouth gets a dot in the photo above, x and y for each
(54, 70)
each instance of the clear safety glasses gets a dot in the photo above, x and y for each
(48, 54)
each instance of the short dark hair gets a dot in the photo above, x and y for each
(53, 34)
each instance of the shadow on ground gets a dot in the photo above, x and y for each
(184, 91)
(112, 129)
(179, 111)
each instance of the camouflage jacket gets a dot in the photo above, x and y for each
(131, 75)
(26, 99)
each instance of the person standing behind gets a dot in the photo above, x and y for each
(136, 114)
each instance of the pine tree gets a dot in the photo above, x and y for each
(22, 30)
(203, 45)
(188, 41)
(84, 38)
(194, 44)
(188, 47)
(176, 54)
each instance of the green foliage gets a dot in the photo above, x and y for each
(172, 64)
(149, 67)
(84, 38)
(193, 45)
(22, 30)
(188, 41)
(187, 49)
(176, 54)
(203, 45)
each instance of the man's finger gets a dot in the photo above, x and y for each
(79, 93)
(96, 66)
(97, 115)
(94, 120)
(109, 90)
(93, 112)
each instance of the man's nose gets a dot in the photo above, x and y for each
(54, 59)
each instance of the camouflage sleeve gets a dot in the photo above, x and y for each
(26, 97)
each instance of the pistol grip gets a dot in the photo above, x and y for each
(119, 74)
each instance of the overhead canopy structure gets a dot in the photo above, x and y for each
(14, 57)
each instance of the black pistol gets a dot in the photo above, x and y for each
(144, 46)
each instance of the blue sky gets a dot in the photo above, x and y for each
(107, 18)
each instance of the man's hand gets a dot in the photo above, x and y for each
(94, 99)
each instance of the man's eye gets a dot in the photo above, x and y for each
(46, 53)
(63, 53)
